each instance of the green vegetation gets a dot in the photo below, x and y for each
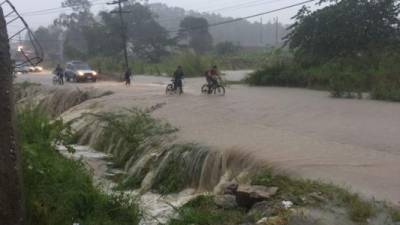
(203, 211)
(346, 47)
(130, 129)
(395, 214)
(26, 84)
(58, 190)
(194, 65)
(317, 193)
(303, 193)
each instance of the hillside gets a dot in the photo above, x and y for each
(244, 32)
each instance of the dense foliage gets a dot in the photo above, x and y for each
(195, 31)
(348, 28)
(86, 35)
(58, 190)
(349, 47)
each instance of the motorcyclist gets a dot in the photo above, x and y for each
(59, 72)
(212, 78)
(178, 77)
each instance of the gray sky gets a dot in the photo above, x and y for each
(232, 8)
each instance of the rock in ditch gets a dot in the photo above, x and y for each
(263, 209)
(247, 196)
(225, 201)
(275, 220)
(229, 188)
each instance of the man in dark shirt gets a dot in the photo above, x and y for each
(128, 75)
(59, 71)
(178, 77)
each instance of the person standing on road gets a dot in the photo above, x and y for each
(178, 77)
(128, 75)
(60, 74)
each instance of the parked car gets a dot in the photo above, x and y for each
(79, 71)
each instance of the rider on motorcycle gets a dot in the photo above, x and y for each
(178, 77)
(212, 77)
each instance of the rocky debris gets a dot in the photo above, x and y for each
(287, 204)
(317, 197)
(263, 209)
(229, 188)
(275, 220)
(247, 195)
(225, 201)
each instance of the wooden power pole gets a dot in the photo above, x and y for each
(123, 29)
(11, 201)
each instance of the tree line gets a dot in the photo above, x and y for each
(83, 34)
(349, 46)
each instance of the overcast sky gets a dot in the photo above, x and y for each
(232, 8)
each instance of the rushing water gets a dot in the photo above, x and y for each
(156, 209)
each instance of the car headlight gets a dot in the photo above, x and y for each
(94, 73)
(80, 73)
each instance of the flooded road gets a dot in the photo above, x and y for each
(349, 142)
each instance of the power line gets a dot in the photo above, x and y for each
(56, 8)
(232, 20)
(243, 18)
(233, 7)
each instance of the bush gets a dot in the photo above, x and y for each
(58, 190)
(278, 74)
(386, 81)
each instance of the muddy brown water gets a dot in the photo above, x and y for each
(355, 143)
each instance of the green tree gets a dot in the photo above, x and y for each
(75, 25)
(48, 38)
(195, 30)
(147, 39)
(226, 47)
(346, 28)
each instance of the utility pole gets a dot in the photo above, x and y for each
(61, 47)
(11, 200)
(276, 31)
(123, 29)
(261, 32)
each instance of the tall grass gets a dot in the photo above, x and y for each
(203, 211)
(194, 65)
(344, 78)
(131, 129)
(58, 190)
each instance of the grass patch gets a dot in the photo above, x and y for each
(58, 190)
(296, 189)
(203, 211)
(131, 129)
(395, 214)
(26, 84)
